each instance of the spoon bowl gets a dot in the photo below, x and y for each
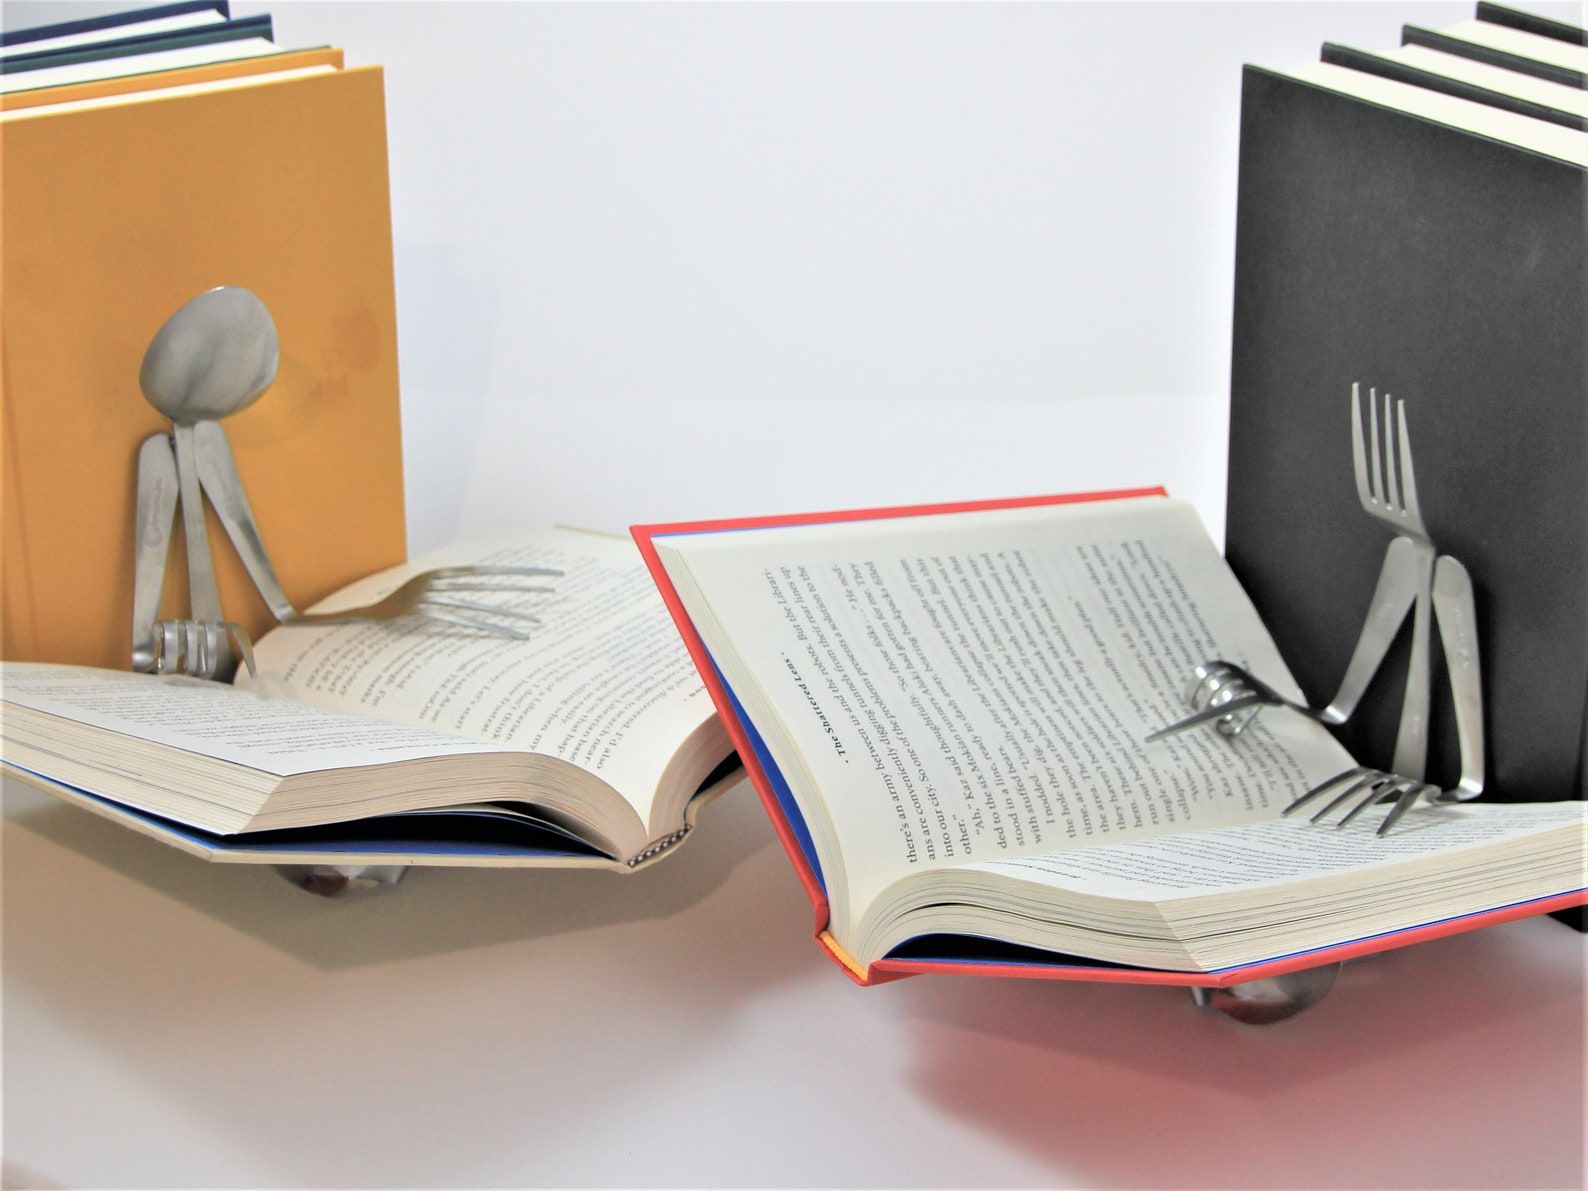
(214, 357)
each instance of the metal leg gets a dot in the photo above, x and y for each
(1263, 1002)
(339, 880)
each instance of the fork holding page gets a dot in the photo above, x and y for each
(588, 742)
(946, 708)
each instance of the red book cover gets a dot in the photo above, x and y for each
(796, 843)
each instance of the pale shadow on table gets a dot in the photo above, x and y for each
(1409, 1073)
(432, 910)
(396, 1039)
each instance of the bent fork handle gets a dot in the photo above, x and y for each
(1456, 612)
(1411, 741)
(1393, 597)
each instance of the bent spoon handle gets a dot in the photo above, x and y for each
(156, 511)
(217, 469)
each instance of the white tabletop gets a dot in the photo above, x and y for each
(173, 1023)
(674, 261)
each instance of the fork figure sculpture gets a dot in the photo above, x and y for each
(1413, 579)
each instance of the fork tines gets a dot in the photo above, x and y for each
(481, 578)
(470, 570)
(1369, 787)
(1386, 483)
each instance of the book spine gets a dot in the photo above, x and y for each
(10, 37)
(1339, 55)
(1526, 22)
(660, 846)
(1428, 39)
(239, 30)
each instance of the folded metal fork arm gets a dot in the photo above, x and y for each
(1230, 696)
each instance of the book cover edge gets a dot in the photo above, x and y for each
(644, 538)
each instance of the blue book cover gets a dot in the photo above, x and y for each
(238, 30)
(112, 23)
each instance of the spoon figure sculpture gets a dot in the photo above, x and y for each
(214, 357)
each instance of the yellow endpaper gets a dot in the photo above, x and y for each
(843, 957)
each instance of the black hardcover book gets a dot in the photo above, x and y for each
(1460, 46)
(1403, 72)
(1447, 268)
(1499, 14)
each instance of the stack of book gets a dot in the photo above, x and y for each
(153, 155)
(1414, 220)
(944, 709)
(150, 156)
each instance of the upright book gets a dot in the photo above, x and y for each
(166, 84)
(944, 711)
(161, 18)
(113, 216)
(1434, 249)
(24, 69)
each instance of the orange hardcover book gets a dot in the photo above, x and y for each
(943, 709)
(111, 218)
(163, 80)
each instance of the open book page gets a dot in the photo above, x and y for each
(970, 686)
(274, 736)
(602, 681)
(1249, 856)
(1253, 891)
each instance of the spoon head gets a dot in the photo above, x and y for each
(213, 357)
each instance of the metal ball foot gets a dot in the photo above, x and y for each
(1263, 1002)
(340, 880)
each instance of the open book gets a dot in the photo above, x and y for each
(946, 708)
(586, 743)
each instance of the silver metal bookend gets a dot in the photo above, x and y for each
(340, 880)
(1264, 1002)
(1414, 580)
(214, 357)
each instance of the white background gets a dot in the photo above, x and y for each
(658, 261)
(666, 261)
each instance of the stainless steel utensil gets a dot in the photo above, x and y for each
(223, 484)
(213, 357)
(1387, 490)
(187, 646)
(1411, 577)
(432, 595)
(156, 512)
(1393, 597)
(1368, 786)
(1455, 610)
(1230, 696)
(1221, 691)
(425, 595)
